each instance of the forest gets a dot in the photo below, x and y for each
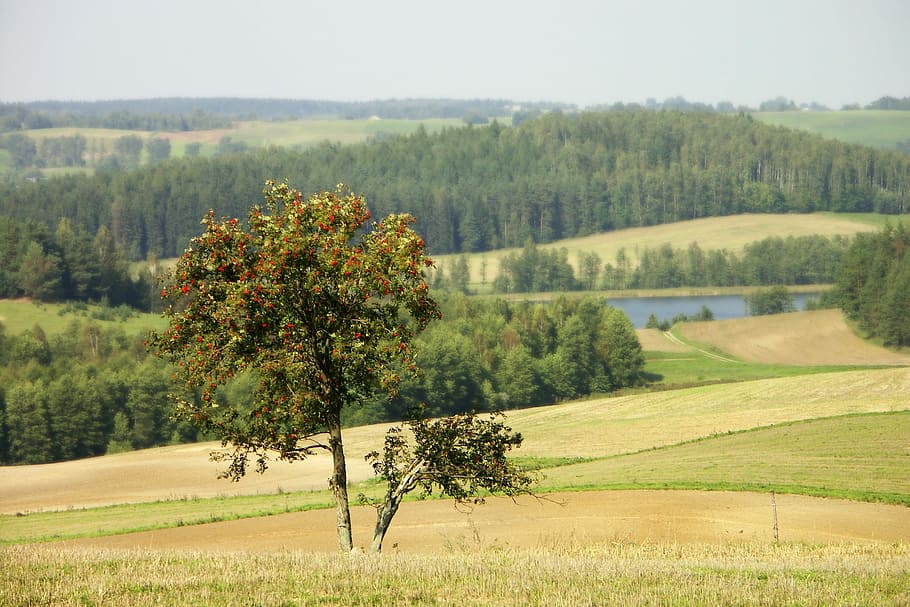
(482, 188)
(873, 284)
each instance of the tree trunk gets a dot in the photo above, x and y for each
(383, 520)
(339, 484)
(392, 501)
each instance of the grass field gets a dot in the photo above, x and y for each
(20, 315)
(598, 433)
(610, 574)
(876, 128)
(859, 457)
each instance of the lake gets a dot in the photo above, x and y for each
(639, 309)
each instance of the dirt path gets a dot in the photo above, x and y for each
(571, 518)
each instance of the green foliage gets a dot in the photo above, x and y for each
(79, 393)
(774, 260)
(296, 299)
(129, 149)
(28, 424)
(873, 285)
(68, 264)
(65, 151)
(489, 354)
(21, 148)
(536, 270)
(462, 456)
(158, 149)
(775, 300)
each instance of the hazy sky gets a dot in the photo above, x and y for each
(831, 51)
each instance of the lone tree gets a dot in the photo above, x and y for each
(321, 314)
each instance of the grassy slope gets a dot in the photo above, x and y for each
(858, 457)
(617, 435)
(877, 128)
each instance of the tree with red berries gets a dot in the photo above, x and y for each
(318, 311)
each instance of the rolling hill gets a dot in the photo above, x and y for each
(594, 428)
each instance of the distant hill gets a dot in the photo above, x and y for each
(481, 188)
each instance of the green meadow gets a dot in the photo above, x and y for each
(17, 316)
(876, 128)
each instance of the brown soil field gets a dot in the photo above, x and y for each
(674, 517)
(799, 338)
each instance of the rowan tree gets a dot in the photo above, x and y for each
(319, 311)
(461, 456)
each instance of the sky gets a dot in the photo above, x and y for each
(834, 52)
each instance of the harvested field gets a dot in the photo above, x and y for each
(800, 338)
(587, 518)
(166, 473)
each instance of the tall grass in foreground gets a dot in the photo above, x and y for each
(620, 574)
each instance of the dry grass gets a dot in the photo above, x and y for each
(563, 573)
(610, 426)
(801, 338)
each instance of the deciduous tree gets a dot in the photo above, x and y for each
(460, 456)
(322, 313)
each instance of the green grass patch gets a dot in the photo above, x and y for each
(876, 128)
(55, 318)
(860, 457)
(671, 370)
(130, 518)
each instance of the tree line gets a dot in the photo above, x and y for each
(873, 284)
(243, 108)
(774, 260)
(84, 392)
(69, 264)
(100, 115)
(490, 354)
(74, 150)
(483, 188)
